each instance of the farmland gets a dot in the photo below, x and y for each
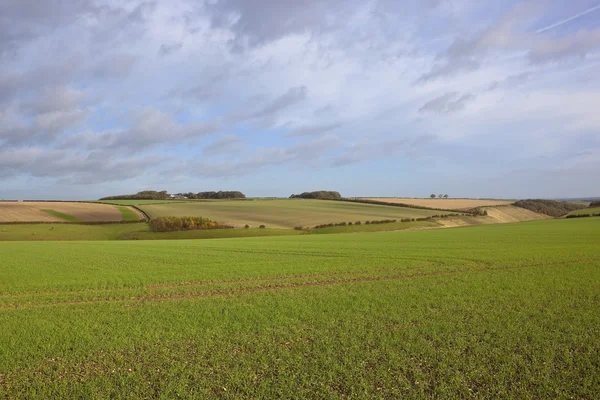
(61, 212)
(60, 232)
(496, 215)
(586, 211)
(445, 204)
(283, 213)
(494, 311)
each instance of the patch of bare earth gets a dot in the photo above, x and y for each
(447, 204)
(496, 215)
(32, 211)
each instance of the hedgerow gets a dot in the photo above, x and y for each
(172, 224)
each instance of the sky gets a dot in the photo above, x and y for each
(273, 97)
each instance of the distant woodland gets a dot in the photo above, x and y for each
(163, 195)
(549, 207)
(320, 194)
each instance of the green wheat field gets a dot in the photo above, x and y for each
(495, 311)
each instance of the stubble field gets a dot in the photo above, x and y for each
(60, 212)
(446, 204)
(496, 311)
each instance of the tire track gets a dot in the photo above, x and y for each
(273, 287)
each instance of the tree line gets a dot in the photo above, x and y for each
(173, 224)
(319, 194)
(215, 195)
(549, 207)
(163, 195)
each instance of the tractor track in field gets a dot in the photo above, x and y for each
(201, 283)
(272, 287)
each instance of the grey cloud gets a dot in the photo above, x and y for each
(25, 20)
(511, 81)
(261, 21)
(73, 168)
(292, 96)
(510, 33)
(311, 130)
(150, 127)
(447, 103)
(167, 49)
(53, 99)
(226, 144)
(450, 68)
(544, 50)
(43, 118)
(310, 153)
(363, 151)
(117, 65)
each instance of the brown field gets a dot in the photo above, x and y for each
(496, 215)
(32, 211)
(446, 204)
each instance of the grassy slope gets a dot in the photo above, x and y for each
(496, 215)
(210, 234)
(398, 226)
(128, 214)
(586, 211)
(61, 215)
(503, 311)
(56, 232)
(137, 202)
(284, 213)
(27, 232)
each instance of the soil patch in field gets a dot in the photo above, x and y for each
(33, 212)
(447, 204)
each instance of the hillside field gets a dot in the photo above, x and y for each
(496, 215)
(283, 213)
(495, 311)
(445, 204)
(63, 212)
(586, 211)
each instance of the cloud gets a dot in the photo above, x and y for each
(306, 87)
(447, 103)
(72, 168)
(291, 97)
(566, 20)
(227, 144)
(167, 49)
(304, 153)
(149, 128)
(364, 151)
(312, 130)
(247, 20)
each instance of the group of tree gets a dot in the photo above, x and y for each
(143, 195)
(172, 224)
(320, 195)
(441, 196)
(163, 195)
(227, 194)
(549, 207)
(595, 204)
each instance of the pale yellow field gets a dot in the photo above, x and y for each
(446, 204)
(32, 211)
(496, 215)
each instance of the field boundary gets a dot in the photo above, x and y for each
(403, 205)
(71, 223)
